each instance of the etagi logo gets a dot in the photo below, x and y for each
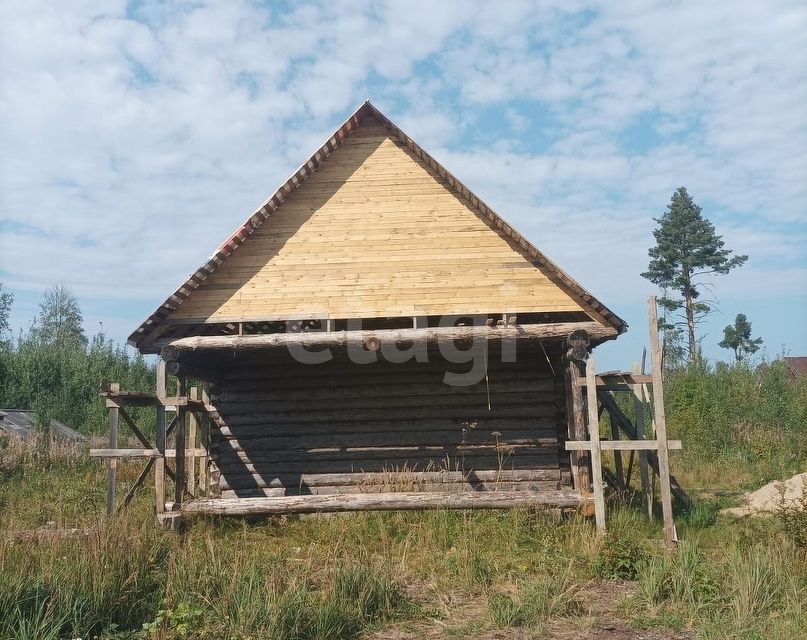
(456, 345)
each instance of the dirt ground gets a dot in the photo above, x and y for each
(465, 617)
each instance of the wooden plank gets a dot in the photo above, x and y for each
(382, 502)
(159, 439)
(670, 535)
(622, 445)
(114, 453)
(638, 409)
(145, 400)
(618, 468)
(596, 453)
(112, 464)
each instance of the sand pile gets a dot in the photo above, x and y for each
(790, 494)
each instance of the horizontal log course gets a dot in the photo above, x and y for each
(419, 413)
(364, 451)
(453, 438)
(384, 478)
(470, 401)
(503, 425)
(621, 445)
(241, 462)
(340, 373)
(172, 348)
(561, 498)
(403, 487)
(379, 388)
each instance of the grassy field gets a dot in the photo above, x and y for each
(434, 574)
(438, 574)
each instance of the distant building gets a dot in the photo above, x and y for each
(22, 423)
(796, 366)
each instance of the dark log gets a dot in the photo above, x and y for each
(403, 486)
(420, 413)
(239, 462)
(534, 388)
(326, 480)
(503, 425)
(454, 438)
(470, 401)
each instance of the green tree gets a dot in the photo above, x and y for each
(6, 300)
(687, 250)
(738, 337)
(60, 322)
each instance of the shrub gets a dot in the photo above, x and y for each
(619, 559)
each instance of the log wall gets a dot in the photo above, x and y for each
(294, 429)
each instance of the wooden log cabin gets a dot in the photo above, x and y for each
(375, 336)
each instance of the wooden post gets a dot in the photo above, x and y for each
(638, 407)
(618, 468)
(576, 421)
(193, 423)
(179, 466)
(204, 433)
(159, 440)
(112, 463)
(596, 452)
(670, 536)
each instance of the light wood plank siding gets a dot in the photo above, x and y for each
(345, 428)
(374, 232)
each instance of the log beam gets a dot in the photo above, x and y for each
(171, 349)
(382, 502)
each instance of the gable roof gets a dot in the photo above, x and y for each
(149, 328)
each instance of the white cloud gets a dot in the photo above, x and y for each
(134, 142)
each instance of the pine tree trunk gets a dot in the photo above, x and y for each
(693, 347)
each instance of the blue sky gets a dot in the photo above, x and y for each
(137, 135)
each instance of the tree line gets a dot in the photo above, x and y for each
(54, 369)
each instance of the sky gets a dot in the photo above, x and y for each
(136, 136)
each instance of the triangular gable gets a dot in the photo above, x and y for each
(382, 229)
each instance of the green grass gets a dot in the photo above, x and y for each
(457, 573)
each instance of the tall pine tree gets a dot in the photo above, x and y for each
(687, 249)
